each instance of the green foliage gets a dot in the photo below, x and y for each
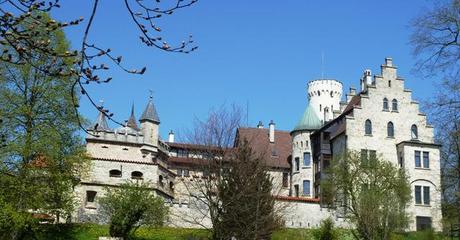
(371, 193)
(247, 202)
(326, 231)
(130, 206)
(43, 155)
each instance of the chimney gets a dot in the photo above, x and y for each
(389, 62)
(271, 131)
(171, 136)
(351, 94)
(366, 80)
(260, 125)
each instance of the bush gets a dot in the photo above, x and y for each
(326, 231)
(131, 206)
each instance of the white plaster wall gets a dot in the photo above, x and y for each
(330, 93)
(301, 143)
(408, 113)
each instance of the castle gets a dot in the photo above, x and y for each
(382, 118)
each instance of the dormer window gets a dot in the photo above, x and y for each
(115, 173)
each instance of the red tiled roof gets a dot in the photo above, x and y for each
(297, 199)
(277, 153)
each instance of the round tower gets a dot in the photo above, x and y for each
(324, 96)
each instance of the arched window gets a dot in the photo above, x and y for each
(394, 105)
(115, 173)
(171, 186)
(385, 104)
(414, 132)
(368, 127)
(389, 83)
(160, 180)
(137, 175)
(390, 129)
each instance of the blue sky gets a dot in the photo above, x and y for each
(258, 52)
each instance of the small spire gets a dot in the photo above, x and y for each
(100, 124)
(132, 123)
(150, 113)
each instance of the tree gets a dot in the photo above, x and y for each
(436, 44)
(245, 193)
(90, 61)
(372, 193)
(43, 154)
(130, 206)
(234, 191)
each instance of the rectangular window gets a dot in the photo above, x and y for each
(306, 187)
(423, 223)
(372, 155)
(186, 173)
(426, 195)
(426, 159)
(306, 159)
(364, 156)
(418, 163)
(418, 195)
(179, 172)
(296, 190)
(285, 179)
(90, 196)
(297, 163)
(182, 153)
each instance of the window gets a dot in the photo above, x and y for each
(389, 83)
(426, 159)
(297, 163)
(136, 175)
(296, 190)
(423, 223)
(179, 172)
(160, 180)
(90, 196)
(182, 153)
(306, 159)
(171, 186)
(186, 173)
(414, 132)
(363, 155)
(390, 129)
(426, 195)
(320, 106)
(368, 127)
(285, 179)
(319, 93)
(115, 173)
(418, 195)
(306, 187)
(418, 163)
(394, 105)
(385, 104)
(372, 155)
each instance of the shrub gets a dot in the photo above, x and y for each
(131, 206)
(326, 231)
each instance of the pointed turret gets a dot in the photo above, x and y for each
(132, 123)
(150, 124)
(100, 124)
(309, 120)
(150, 113)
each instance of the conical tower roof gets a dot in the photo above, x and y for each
(100, 124)
(150, 113)
(309, 120)
(132, 123)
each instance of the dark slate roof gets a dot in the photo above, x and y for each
(132, 123)
(150, 113)
(100, 124)
(277, 153)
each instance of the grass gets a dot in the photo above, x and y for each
(94, 231)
